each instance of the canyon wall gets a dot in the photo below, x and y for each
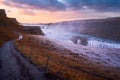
(108, 28)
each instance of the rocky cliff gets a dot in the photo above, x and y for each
(14, 20)
(2, 12)
(8, 28)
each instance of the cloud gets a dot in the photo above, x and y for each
(9, 11)
(58, 5)
(51, 5)
(27, 12)
(98, 5)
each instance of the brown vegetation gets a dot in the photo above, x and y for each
(58, 64)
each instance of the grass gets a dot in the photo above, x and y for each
(37, 53)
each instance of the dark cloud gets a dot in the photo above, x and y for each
(51, 5)
(99, 5)
(54, 5)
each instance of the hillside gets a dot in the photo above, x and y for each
(108, 28)
(8, 28)
(77, 62)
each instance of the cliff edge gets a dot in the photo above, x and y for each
(9, 28)
(2, 12)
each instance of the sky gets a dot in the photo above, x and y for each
(50, 11)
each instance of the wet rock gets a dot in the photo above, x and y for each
(79, 40)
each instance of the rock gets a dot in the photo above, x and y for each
(35, 30)
(14, 20)
(2, 12)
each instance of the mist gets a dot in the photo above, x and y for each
(66, 33)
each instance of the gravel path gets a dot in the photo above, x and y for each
(15, 67)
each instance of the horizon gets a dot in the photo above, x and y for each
(39, 11)
(72, 20)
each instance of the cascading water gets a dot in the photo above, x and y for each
(94, 42)
(78, 41)
(62, 35)
(103, 44)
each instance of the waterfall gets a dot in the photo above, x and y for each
(102, 44)
(77, 39)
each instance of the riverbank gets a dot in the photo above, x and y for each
(87, 63)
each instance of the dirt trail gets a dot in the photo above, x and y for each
(15, 67)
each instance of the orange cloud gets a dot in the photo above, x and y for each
(27, 12)
(30, 15)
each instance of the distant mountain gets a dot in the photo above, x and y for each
(108, 28)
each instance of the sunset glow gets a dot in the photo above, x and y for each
(39, 11)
